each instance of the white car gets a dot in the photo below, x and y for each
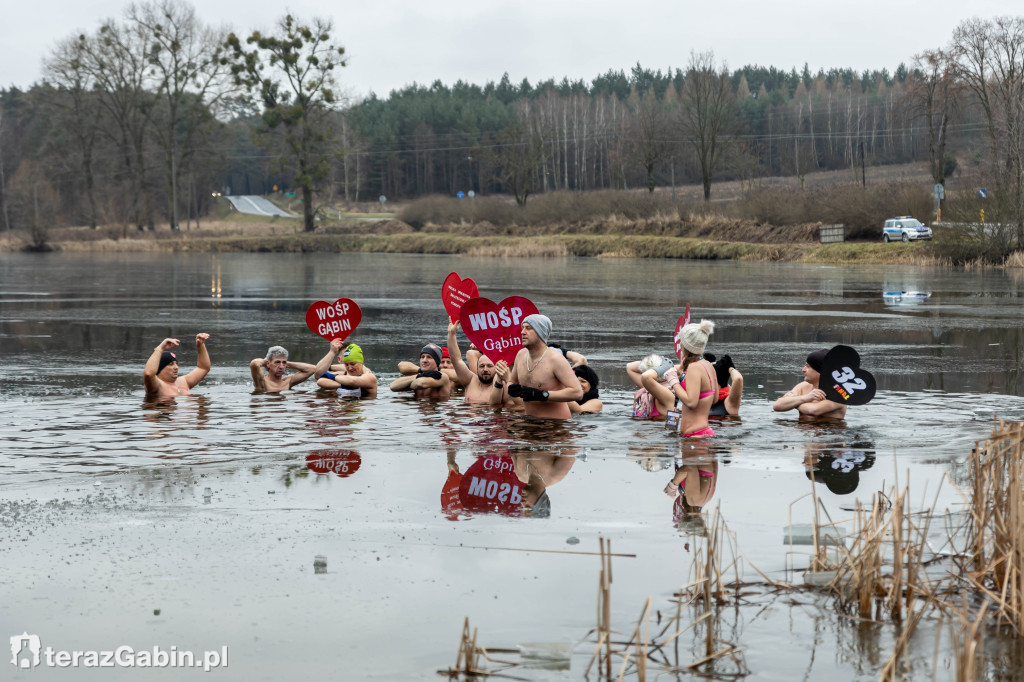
(905, 229)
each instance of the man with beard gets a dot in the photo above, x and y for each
(478, 384)
(276, 363)
(544, 381)
(160, 375)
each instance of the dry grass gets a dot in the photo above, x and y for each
(995, 529)
(540, 248)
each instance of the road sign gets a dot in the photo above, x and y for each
(940, 191)
(983, 193)
(382, 199)
(472, 194)
(461, 194)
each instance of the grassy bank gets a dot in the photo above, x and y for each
(555, 246)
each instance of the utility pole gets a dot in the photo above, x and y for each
(863, 176)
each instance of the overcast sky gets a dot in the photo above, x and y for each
(392, 44)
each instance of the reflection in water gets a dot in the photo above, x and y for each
(838, 467)
(341, 463)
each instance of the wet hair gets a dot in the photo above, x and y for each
(276, 352)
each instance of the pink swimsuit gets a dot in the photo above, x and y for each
(707, 431)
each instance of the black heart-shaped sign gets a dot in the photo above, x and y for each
(843, 380)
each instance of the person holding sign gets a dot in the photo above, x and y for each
(429, 382)
(276, 364)
(160, 376)
(697, 394)
(352, 379)
(544, 381)
(478, 383)
(806, 398)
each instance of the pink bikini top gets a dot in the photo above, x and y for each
(703, 394)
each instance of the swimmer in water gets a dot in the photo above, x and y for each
(351, 378)
(590, 403)
(656, 378)
(478, 383)
(160, 376)
(806, 398)
(429, 382)
(542, 379)
(276, 364)
(697, 394)
(730, 387)
(446, 366)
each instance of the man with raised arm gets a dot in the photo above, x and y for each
(806, 397)
(479, 383)
(276, 363)
(160, 376)
(543, 380)
(429, 382)
(349, 379)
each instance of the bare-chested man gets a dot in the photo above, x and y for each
(544, 381)
(349, 379)
(429, 382)
(478, 383)
(446, 367)
(276, 363)
(806, 397)
(160, 376)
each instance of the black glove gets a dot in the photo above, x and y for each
(430, 375)
(527, 393)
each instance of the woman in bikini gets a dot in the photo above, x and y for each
(701, 391)
(655, 377)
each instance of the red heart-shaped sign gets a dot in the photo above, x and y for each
(683, 320)
(342, 463)
(455, 292)
(491, 485)
(334, 320)
(496, 329)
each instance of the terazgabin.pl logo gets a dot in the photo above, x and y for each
(27, 652)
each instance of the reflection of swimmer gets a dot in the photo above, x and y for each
(276, 364)
(543, 380)
(478, 382)
(590, 403)
(702, 390)
(538, 472)
(655, 377)
(160, 375)
(695, 483)
(429, 382)
(806, 397)
(838, 468)
(730, 391)
(352, 379)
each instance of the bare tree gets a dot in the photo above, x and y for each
(989, 58)
(189, 74)
(708, 110)
(518, 157)
(77, 107)
(935, 96)
(651, 122)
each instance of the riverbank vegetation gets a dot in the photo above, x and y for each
(108, 139)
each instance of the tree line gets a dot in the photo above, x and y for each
(139, 121)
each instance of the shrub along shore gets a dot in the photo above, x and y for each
(507, 246)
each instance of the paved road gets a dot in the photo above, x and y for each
(257, 206)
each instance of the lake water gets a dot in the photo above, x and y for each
(197, 525)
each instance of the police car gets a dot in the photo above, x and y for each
(905, 229)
